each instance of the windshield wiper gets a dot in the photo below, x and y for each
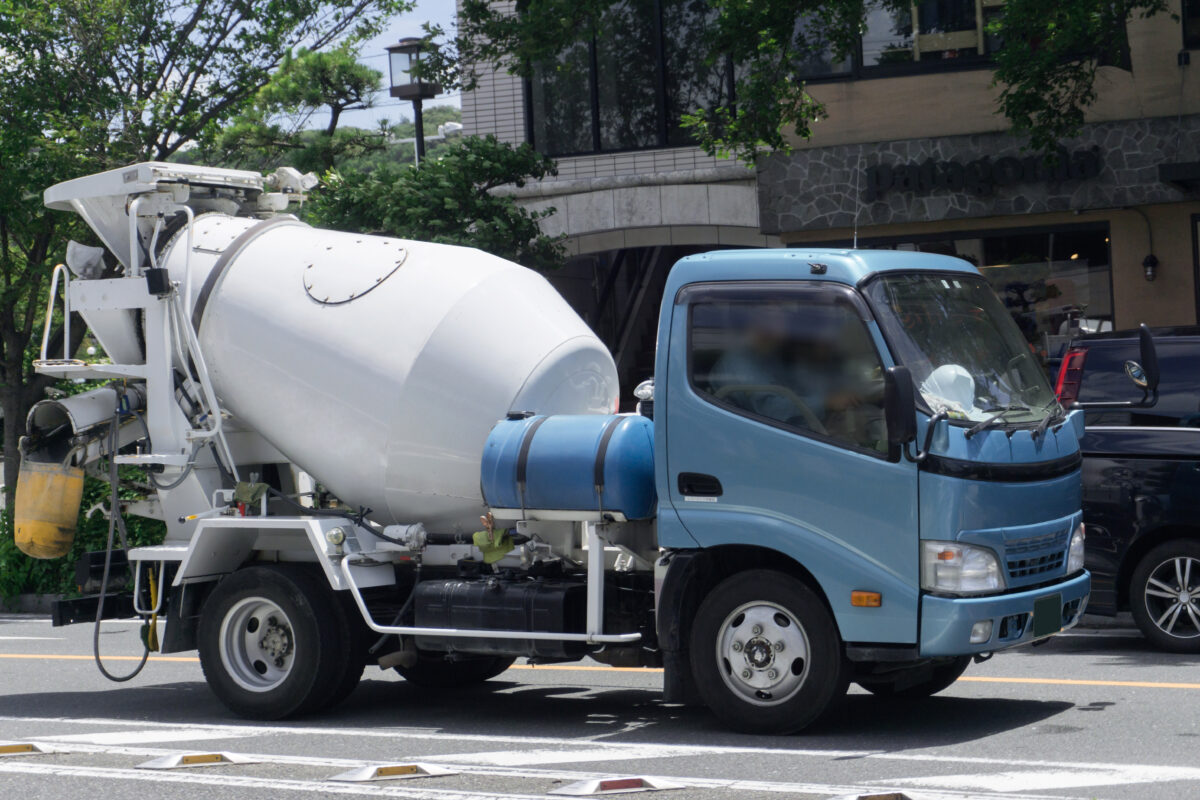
(992, 420)
(1049, 419)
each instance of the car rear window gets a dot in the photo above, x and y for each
(1104, 380)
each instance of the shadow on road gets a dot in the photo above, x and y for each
(566, 712)
(1115, 651)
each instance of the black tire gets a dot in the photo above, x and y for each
(1166, 608)
(434, 671)
(765, 653)
(354, 659)
(303, 641)
(942, 676)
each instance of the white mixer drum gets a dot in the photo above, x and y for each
(379, 365)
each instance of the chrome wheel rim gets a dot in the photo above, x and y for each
(763, 653)
(1172, 596)
(257, 644)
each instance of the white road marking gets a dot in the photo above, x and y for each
(1017, 774)
(518, 758)
(740, 786)
(31, 638)
(1016, 781)
(242, 782)
(152, 736)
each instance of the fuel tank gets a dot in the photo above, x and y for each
(586, 468)
(378, 364)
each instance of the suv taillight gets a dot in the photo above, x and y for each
(1070, 375)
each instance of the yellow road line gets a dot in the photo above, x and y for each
(586, 668)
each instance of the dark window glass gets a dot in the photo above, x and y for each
(691, 83)
(946, 16)
(1104, 380)
(816, 54)
(561, 102)
(626, 77)
(1191, 24)
(804, 360)
(888, 38)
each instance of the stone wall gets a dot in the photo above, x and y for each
(827, 187)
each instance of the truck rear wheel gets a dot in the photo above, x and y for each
(270, 644)
(765, 653)
(354, 659)
(434, 671)
(941, 676)
(1164, 596)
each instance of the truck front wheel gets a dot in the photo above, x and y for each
(270, 644)
(765, 653)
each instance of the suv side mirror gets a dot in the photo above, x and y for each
(1149, 358)
(1143, 375)
(899, 406)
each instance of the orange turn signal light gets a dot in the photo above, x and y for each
(946, 555)
(866, 599)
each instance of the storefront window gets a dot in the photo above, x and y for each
(1054, 283)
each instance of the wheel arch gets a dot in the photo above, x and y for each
(1138, 550)
(691, 575)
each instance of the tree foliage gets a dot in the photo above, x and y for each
(1047, 68)
(278, 127)
(1052, 51)
(449, 199)
(87, 85)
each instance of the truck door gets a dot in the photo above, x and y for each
(776, 438)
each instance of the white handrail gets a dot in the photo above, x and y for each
(59, 268)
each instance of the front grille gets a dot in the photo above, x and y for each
(1028, 558)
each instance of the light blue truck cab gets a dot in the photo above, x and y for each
(863, 475)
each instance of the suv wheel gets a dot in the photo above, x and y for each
(1164, 596)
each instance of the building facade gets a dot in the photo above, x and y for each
(912, 154)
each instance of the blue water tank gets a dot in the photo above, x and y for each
(556, 464)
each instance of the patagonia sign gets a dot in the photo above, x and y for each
(980, 177)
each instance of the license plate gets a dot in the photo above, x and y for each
(1047, 615)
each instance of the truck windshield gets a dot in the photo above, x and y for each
(966, 354)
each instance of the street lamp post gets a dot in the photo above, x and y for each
(404, 59)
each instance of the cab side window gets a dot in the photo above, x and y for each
(804, 361)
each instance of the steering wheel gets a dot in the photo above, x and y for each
(810, 419)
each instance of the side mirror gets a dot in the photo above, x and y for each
(1143, 375)
(1149, 358)
(899, 406)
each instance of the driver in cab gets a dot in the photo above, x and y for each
(805, 379)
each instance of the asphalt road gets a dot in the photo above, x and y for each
(1092, 714)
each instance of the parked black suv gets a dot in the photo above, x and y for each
(1141, 481)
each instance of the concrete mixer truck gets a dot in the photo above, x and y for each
(372, 451)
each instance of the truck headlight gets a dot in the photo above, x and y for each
(954, 568)
(1075, 551)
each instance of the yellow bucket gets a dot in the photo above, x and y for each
(47, 507)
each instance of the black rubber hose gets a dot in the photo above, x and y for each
(116, 525)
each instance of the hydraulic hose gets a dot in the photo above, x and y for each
(116, 525)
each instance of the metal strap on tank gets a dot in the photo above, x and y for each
(598, 469)
(226, 258)
(523, 458)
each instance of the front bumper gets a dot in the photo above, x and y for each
(946, 622)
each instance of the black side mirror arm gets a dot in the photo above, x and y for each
(923, 453)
